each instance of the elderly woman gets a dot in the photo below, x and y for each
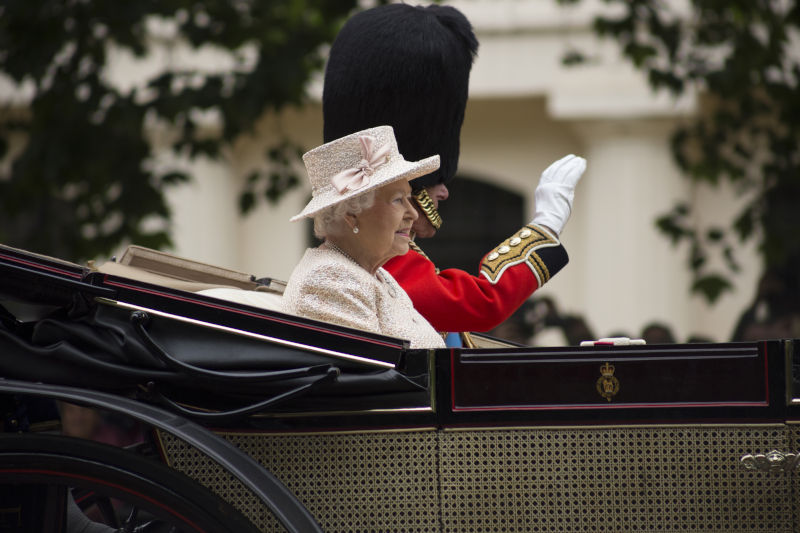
(361, 208)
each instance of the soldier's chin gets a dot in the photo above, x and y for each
(423, 229)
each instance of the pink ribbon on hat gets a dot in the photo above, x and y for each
(359, 176)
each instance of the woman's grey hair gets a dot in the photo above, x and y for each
(327, 220)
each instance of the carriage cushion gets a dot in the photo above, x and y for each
(263, 299)
(125, 271)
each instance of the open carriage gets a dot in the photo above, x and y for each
(262, 421)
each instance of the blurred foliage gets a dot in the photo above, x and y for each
(82, 179)
(743, 56)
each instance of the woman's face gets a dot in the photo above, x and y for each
(384, 230)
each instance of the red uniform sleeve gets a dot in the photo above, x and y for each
(454, 300)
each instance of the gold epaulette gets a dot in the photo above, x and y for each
(524, 246)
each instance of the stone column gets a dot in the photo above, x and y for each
(205, 221)
(631, 274)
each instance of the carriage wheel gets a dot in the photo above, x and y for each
(146, 495)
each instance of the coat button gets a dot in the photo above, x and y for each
(515, 241)
(503, 249)
(493, 256)
(525, 233)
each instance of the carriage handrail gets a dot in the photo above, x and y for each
(229, 415)
(139, 320)
(250, 334)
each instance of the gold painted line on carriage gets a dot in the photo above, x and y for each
(788, 369)
(308, 414)
(603, 427)
(341, 412)
(335, 432)
(250, 334)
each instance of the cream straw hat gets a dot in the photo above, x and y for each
(355, 164)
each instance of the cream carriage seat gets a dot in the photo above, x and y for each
(168, 270)
(263, 299)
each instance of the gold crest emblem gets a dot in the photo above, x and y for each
(607, 384)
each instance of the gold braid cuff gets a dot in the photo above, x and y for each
(522, 247)
(426, 205)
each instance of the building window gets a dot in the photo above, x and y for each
(477, 217)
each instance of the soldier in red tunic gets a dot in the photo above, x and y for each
(408, 67)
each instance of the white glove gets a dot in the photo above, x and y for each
(555, 192)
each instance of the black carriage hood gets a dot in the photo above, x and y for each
(72, 326)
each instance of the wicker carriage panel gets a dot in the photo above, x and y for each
(359, 481)
(349, 481)
(794, 447)
(204, 470)
(640, 479)
(612, 479)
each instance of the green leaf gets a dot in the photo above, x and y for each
(639, 53)
(572, 58)
(697, 257)
(730, 259)
(744, 224)
(668, 226)
(715, 234)
(173, 178)
(247, 200)
(711, 286)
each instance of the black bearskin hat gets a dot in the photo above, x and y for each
(407, 67)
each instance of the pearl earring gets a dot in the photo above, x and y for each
(355, 229)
